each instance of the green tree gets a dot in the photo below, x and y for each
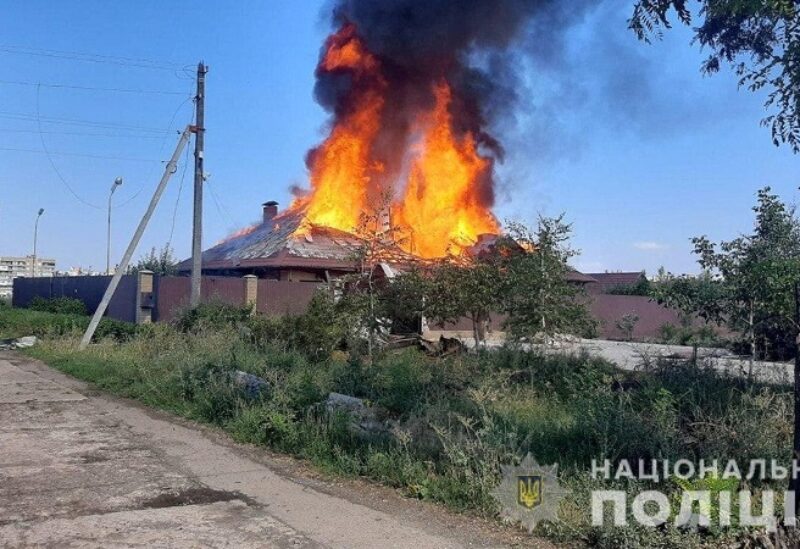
(692, 295)
(759, 272)
(162, 262)
(760, 39)
(470, 289)
(640, 287)
(751, 283)
(748, 282)
(365, 296)
(536, 293)
(524, 274)
(627, 324)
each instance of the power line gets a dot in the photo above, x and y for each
(60, 153)
(88, 134)
(220, 207)
(58, 172)
(92, 88)
(178, 199)
(90, 57)
(39, 120)
(50, 158)
(27, 117)
(161, 148)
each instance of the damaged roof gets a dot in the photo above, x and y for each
(487, 242)
(280, 242)
(287, 240)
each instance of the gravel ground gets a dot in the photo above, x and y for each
(632, 356)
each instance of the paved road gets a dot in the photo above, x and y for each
(79, 469)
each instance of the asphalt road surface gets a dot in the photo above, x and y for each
(83, 469)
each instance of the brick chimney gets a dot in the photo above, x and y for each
(270, 210)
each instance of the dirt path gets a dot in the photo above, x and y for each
(78, 468)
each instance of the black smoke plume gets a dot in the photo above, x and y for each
(467, 43)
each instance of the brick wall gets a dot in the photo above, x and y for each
(280, 297)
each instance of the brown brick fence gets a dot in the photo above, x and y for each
(148, 298)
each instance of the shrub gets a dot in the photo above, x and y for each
(684, 334)
(627, 324)
(116, 330)
(317, 333)
(641, 287)
(269, 332)
(569, 376)
(59, 305)
(321, 329)
(349, 375)
(306, 386)
(211, 391)
(212, 314)
(402, 381)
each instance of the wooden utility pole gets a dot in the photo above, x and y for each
(112, 286)
(197, 227)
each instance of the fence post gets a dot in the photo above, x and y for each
(144, 297)
(251, 292)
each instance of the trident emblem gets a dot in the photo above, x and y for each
(529, 490)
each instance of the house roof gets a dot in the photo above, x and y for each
(288, 240)
(279, 242)
(616, 279)
(486, 243)
(577, 276)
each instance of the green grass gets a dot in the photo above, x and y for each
(21, 322)
(453, 420)
(16, 323)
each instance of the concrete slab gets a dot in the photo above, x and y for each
(104, 472)
(228, 524)
(17, 386)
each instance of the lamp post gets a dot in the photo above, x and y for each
(35, 238)
(117, 183)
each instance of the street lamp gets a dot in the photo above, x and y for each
(117, 183)
(35, 238)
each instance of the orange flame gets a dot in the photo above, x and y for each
(341, 167)
(437, 205)
(441, 206)
(236, 234)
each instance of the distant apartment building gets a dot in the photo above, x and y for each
(13, 267)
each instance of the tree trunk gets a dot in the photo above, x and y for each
(794, 483)
(482, 322)
(752, 342)
(475, 331)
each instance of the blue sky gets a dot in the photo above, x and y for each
(638, 148)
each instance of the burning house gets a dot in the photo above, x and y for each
(287, 246)
(412, 103)
(283, 247)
